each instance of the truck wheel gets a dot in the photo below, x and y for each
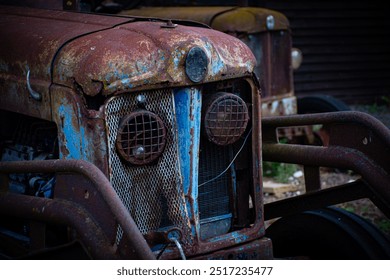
(328, 234)
(320, 104)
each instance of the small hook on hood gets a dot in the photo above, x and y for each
(35, 95)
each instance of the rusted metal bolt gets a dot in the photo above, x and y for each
(141, 99)
(169, 24)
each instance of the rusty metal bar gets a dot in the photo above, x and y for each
(324, 118)
(339, 157)
(137, 242)
(60, 212)
(357, 141)
(315, 200)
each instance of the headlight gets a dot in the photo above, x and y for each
(196, 64)
(141, 137)
(296, 58)
(225, 118)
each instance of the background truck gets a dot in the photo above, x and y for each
(138, 138)
(268, 35)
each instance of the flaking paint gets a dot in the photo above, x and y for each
(188, 104)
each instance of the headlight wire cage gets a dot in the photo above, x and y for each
(225, 118)
(141, 137)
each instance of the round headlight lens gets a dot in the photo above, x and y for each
(225, 118)
(196, 64)
(296, 58)
(141, 137)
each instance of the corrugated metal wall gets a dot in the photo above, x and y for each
(346, 47)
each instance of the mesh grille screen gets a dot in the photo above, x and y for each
(213, 196)
(152, 193)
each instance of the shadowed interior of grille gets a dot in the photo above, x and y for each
(213, 196)
(152, 193)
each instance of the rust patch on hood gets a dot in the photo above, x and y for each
(145, 54)
(30, 41)
(31, 37)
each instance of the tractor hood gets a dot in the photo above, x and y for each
(148, 54)
(108, 54)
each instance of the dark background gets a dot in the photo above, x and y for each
(345, 45)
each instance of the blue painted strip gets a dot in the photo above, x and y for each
(188, 105)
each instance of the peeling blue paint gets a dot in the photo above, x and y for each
(177, 56)
(238, 237)
(71, 142)
(161, 55)
(125, 83)
(217, 64)
(188, 116)
(176, 61)
(117, 75)
(142, 68)
(75, 139)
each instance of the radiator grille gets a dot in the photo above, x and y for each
(213, 194)
(152, 193)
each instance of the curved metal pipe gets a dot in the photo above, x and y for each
(61, 212)
(138, 243)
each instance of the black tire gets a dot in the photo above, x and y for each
(328, 234)
(320, 104)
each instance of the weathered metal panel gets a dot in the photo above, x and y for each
(81, 132)
(43, 33)
(147, 55)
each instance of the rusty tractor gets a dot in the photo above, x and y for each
(141, 138)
